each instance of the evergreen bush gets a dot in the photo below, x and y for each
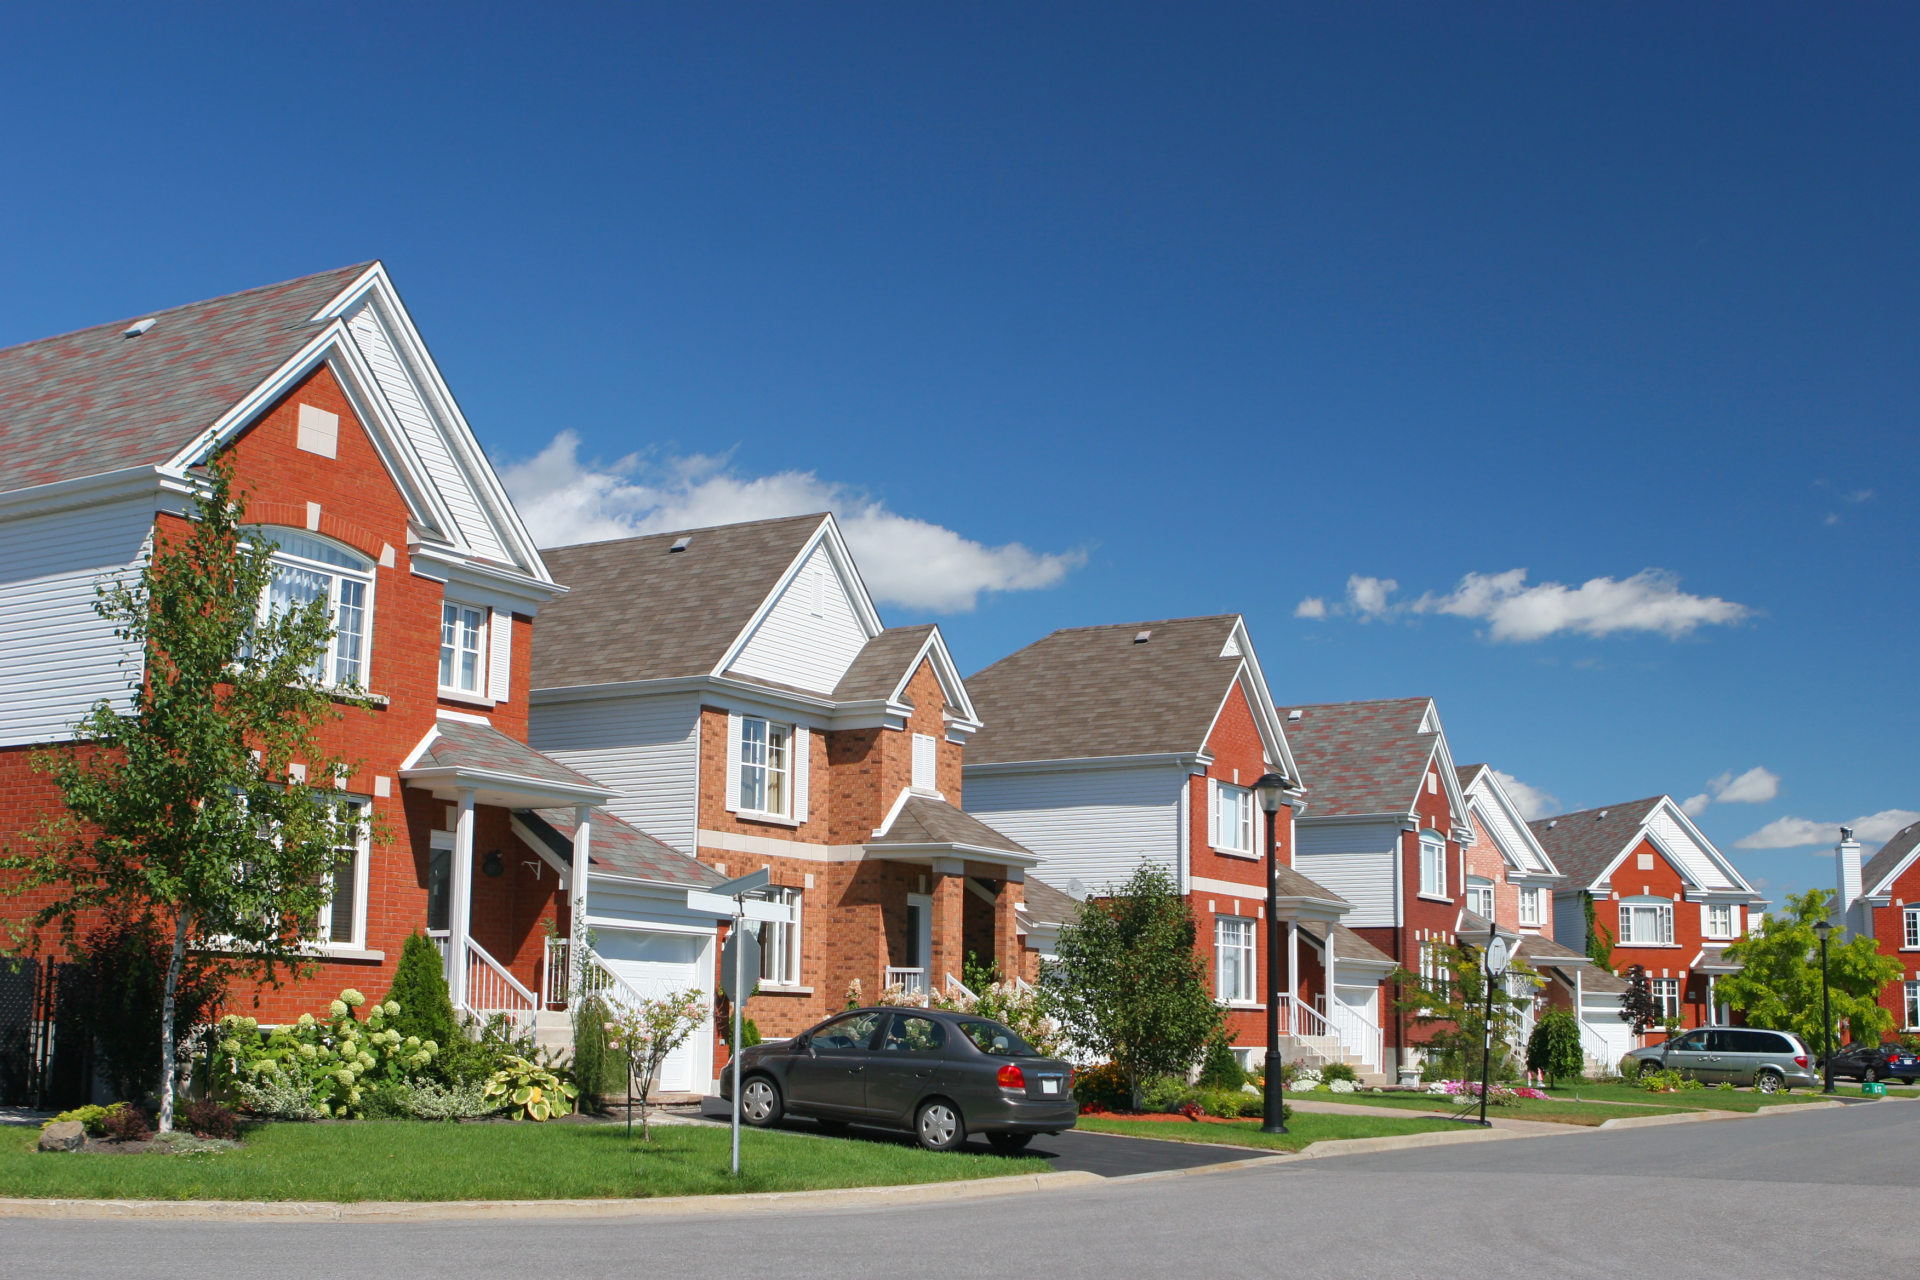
(1554, 1047)
(420, 987)
(1220, 1069)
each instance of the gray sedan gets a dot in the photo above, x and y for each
(940, 1075)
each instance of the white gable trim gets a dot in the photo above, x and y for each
(1644, 832)
(1441, 758)
(1706, 846)
(1251, 680)
(961, 717)
(863, 610)
(1486, 789)
(1884, 889)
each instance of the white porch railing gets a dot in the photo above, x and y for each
(955, 985)
(602, 981)
(914, 980)
(491, 990)
(555, 978)
(1301, 1020)
(1359, 1035)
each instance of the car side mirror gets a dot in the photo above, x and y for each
(804, 1042)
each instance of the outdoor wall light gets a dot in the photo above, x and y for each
(493, 865)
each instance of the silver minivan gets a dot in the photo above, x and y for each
(1767, 1060)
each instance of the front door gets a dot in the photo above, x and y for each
(829, 1077)
(904, 1067)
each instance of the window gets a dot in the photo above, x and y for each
(340, 919)
(1719, 920)
(925, 762)
(1232, 818)
(1666, 997)
(1530, 906)
(849, 1033)
(766, 766)
(1436, 974)
(1433, 866)
(1646, 923)
(307, 569)
(463, 629)
(439, 887)
(913, 1033)
(1233, 941)
(780, 943)
(1911, 918)
(1913, 1006)
(1480, 896)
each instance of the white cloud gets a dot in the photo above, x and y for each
(1530, 800)
(1694, 806)
(1797, 833)
(1312, 607)
(1650, 600)
(1368, 597)
(1756, 786)
(1858, 495)
(907, 562)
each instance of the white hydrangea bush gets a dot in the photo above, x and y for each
(329, 1065)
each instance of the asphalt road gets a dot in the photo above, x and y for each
(1791, 1195)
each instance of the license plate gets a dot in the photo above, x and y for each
(1049, 1086)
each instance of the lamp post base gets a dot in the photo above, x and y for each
(1273, 1116)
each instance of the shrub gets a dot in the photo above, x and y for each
(1224, 1103)
(124, 1122)
(431, 1100)
(420, 989)
(1102, 1088)
(1667, 1080)
(88, 1117)
(1554, 1046)
(277, 1097)
(530, 1091)
(325, 1066)
(1628, 1066)
(115, 992)
(1220, 1069)
(208, 1119)
(749, 1033)
(1338, 1071)
(1164, 1093)
(597, 1069)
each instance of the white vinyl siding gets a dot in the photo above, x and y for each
(1354, 860)
(794, 645)
(59, 657)
(1234, 968)
(1683, 848)
(1645, 923)
(1506, 835)
(1096, 826)
(1433, 865)
(397, 383)
(646, 748)
(926, 757)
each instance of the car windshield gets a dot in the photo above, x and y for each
(991, 1037)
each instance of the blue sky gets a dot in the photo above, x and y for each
(1120, 313)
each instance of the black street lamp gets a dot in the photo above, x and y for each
(1275, 791)
(1824, 928)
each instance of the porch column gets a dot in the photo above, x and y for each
(1006, 931)
(1293, 969)
(1713, 1011)
(460, 906)
(949, 904)
(577, 899)
(1328, 960)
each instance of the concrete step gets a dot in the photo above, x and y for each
(553, 1029)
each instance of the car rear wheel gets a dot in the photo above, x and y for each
(1649, 1067)
(1009, 1141)
(937, 1125)
(760, 1102)
(1769, 1082)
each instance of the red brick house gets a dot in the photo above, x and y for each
(1882, 901)
(738, 687)
(1103, 748)
(354, 457)
(1665, 897)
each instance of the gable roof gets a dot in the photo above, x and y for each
(1881, 869)
(95, 401)
(923, 821)
(1094, 692)
(1587, 845)
(1512, 837)
(1348, 947)
(881, 667)
(1369, 757)
(638, 610)
(618, 848)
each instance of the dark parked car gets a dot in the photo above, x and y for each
(1876, 1062)
(940, 1075)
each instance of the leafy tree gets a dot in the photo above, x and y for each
(646, 1032)
(1554, 1047)
(1778, 985)
(1599, 939)
(1129, 984)
(1637, 1008)
(184, 811)
(1454, 1008)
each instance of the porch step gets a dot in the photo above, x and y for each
(553, 1029)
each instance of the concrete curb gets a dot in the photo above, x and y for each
(460, 1210)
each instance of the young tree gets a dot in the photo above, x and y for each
(1554, 1048)
(1778, 985)
(1637, 1008)
(646, 1033)
(1129, 984)
(1454, 1007)
(186, 810)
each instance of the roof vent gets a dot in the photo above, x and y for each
(1599, 815)
(139, 327)
(1294, 714)
(1141, 637)
(1552, 823)
(680, 544)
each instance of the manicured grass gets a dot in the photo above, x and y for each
(1556, 1110)
(375, 1160)
(1305, 1128)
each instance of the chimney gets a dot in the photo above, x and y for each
(1846, 858)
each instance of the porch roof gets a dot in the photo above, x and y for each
(618, 849)
(922, 828)
(1714, 960)
(1303, 899)
(1042, 904)
(1348, 947)
(1537, 951)
(457, 755)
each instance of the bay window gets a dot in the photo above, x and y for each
(1233, 949)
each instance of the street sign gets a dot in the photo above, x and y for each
(1497, 957)
(746, 966)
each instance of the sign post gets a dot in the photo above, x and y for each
(739, 958)
(1495, 958)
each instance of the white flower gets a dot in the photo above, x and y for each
(392, 1008)
(353, 997)
(338, 1008)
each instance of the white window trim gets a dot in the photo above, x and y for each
(335, 573)
(363, 845)
(1664, 915)
(1657, 987)
(1434, 847)
(1910, 929)
(1712, 932)
(481, 659)
(789, 936)
(1529, 909)
(1480, 893)
(799, 742)
(1248, 826)
(1912, 991)
(1246, 960)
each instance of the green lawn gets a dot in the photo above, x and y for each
(1562, 1108)
(1305, 1128)
(375, 1160)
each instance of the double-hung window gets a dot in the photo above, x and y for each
(1666, 997)
(780, 943)
(1233, 948)
(1646, 923)
(463, 644)
(1232, 818)
(1480, 896)
(1719, 920)
(308, 569)
(1433, 865)
(766, 766)
(1913, 1006)
(342, 919)
(1910, 937)
(1436, 974)
(1530, 906)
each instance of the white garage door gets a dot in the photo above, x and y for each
(658, 964)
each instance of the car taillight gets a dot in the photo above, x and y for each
(1799, 1059)
(1011, 1077)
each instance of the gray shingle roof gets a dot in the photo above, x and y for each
(1536, 951)
(636, 610)
(1882, 864)
(1347, 945)
(1594, 978)
(882, 664)
(1046, 904)
(1294, 885)
(923, 820)
(618, 848)
(1360, 757)
(94, 401)
(1092, 692)
(459, 744)
(1583, 844)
